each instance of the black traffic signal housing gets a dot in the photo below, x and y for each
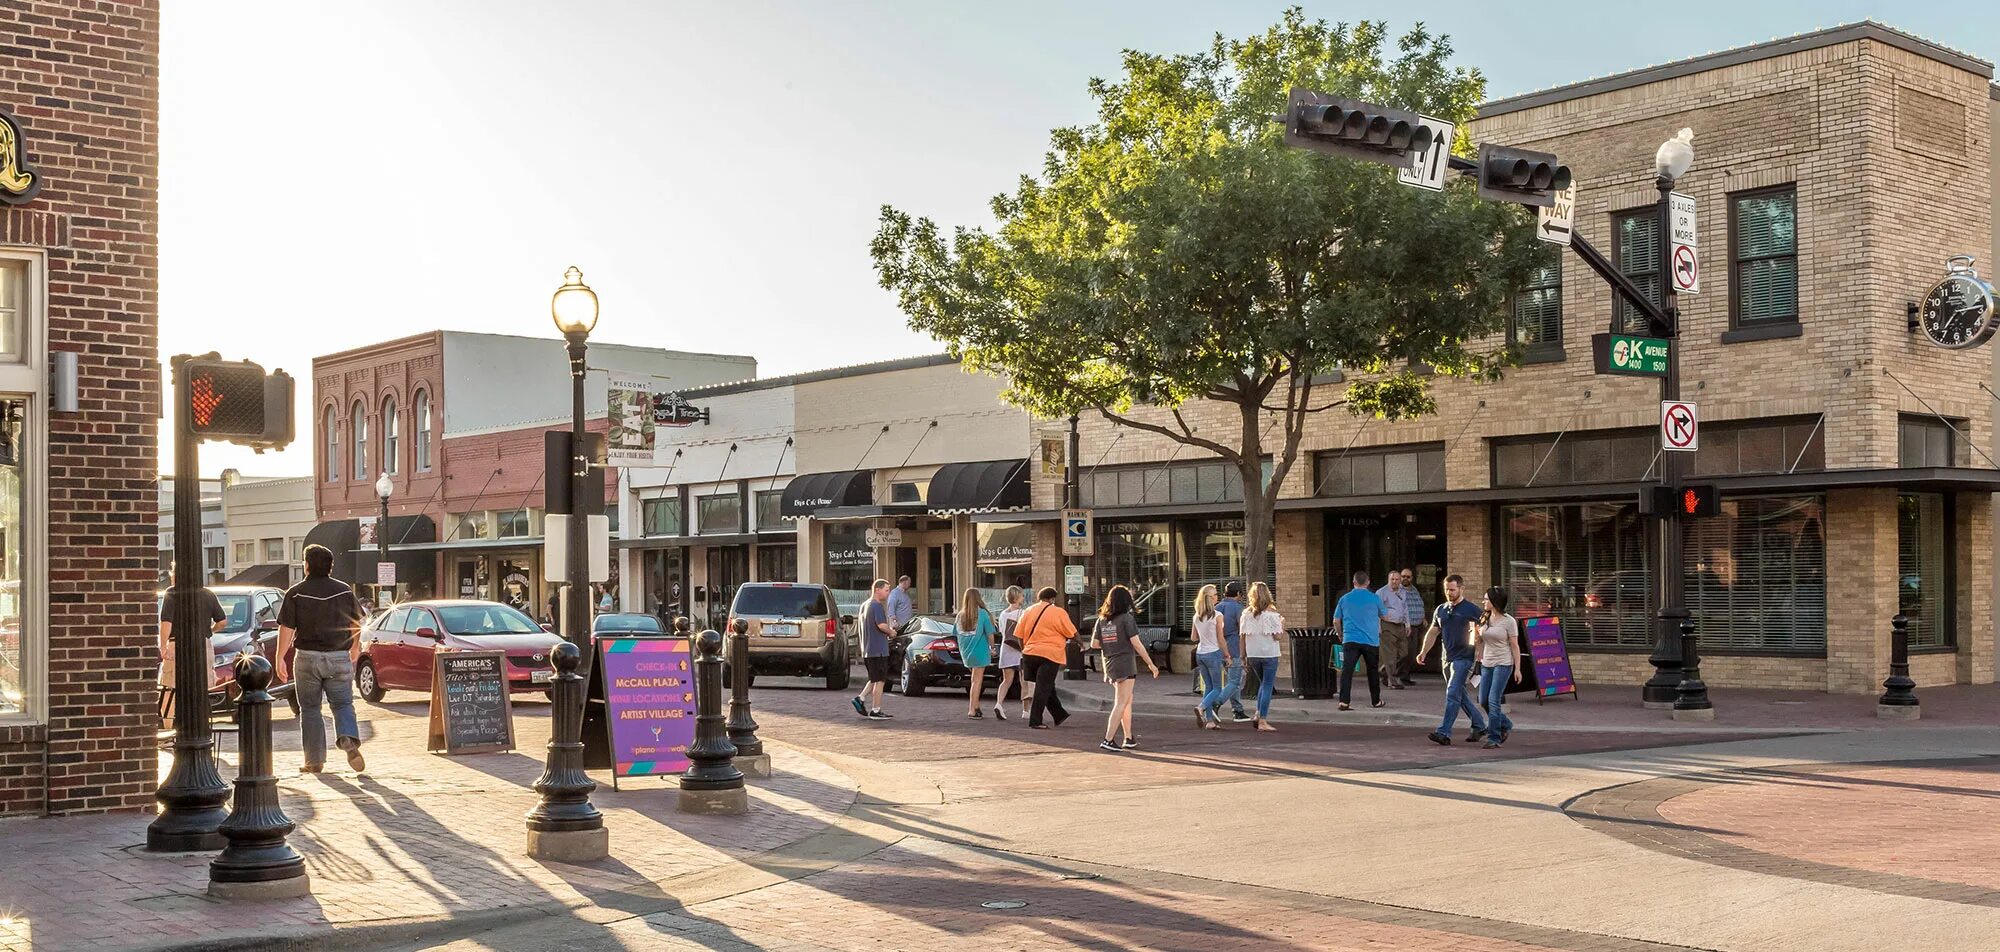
(234, 401)
(1523, 176)
(1354, 129)
(1693, 501)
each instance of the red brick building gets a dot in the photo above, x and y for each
(78, 274)
(456, 420)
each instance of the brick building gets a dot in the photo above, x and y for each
(78, 274)
(1835, 173)
(456, 420)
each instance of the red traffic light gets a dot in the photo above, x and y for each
(234, 401)
(1692, 502)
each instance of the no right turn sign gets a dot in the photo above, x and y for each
(1680, 431)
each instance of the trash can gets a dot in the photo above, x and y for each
(1313, 654)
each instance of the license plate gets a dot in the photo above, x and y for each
(541, 677)
(782, 631)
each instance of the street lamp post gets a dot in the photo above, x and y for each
(383, 488)
(564, 825)
(1672, 161)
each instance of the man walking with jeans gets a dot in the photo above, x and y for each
(876, 631)
(1453, 620)
(1357, 619)
(1231, 610)
(321, 616)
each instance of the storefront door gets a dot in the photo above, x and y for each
(1378, 542)
(665, 575)
(728, 569)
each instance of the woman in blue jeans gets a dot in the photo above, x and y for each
(1500, 656)
(1211, 656)
(1261, 627)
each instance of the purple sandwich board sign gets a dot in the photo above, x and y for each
(649, 704)
(1550, 654)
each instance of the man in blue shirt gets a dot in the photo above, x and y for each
(1231, 610)
(1357, 619)
(901, 608)
(876, 630)
(1453, 620)
(1397, 619)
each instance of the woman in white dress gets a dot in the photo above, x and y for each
(1010, 656)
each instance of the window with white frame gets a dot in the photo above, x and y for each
(423, 431)
(360, 440)
(392, 431)
(274, 550)
(331, 430)
(246, 552)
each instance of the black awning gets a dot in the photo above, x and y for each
(985, 486)
(354, 561)
(269, 574)
(807, 495)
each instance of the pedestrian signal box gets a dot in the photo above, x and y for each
(1689, 502)
(235, 401)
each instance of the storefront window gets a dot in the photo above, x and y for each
(13, 639)
(666, 575)
(850, 564)
(1005, 556)
(1178, 483)
(1922, 588)
(722, 513)
(771, 512)
(778, 563)
(471, 525)
(661, 517)
(1584, 563)
(513, 524)
(1398, 470)
(1212, 553)
(1757, 575)
(1138, 555)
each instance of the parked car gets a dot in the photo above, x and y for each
(250, 626)
(926, 655)
(794, 629)
(627, 623)
(397, 645)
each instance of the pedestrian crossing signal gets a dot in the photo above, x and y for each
(1689, 502)
(235, 401)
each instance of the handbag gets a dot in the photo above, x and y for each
(1009, 639)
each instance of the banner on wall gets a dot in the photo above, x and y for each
(628, 403)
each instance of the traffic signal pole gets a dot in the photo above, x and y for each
(1663, 687)
(192, 796)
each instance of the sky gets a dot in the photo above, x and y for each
(334, 174)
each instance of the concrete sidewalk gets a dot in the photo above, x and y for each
(1595, 707)
(417, 842)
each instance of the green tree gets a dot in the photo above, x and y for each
(1177, 250)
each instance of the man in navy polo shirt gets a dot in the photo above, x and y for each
(1454, 620)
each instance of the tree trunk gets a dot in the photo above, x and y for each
(1257, 510)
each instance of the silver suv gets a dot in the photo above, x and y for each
(794, 629)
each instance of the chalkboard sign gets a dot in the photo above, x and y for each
(648, 703)
(471, 710)
(1548, 654)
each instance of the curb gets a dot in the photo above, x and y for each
(366, 935)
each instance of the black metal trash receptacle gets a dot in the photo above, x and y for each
(1312, 661)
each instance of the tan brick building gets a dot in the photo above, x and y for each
(1835, 173)
(78, 275)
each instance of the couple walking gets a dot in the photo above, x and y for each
(1230, 636)
(1482, 650)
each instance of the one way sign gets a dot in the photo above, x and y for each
(1555, 222)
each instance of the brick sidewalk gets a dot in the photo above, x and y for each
(417, 835)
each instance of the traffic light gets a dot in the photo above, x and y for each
(235, 401)
(1524, 176)
(1689, 502)
(1354, 129)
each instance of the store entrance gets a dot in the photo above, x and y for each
(1376, 542)
(728, 569)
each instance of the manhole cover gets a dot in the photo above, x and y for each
(1003, 904)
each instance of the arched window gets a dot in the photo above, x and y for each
(423, 431)
(332, 442)
(392, 428)
(360, 441)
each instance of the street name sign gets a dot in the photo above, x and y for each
(1686, 262)
(1427, 166)
(1556, 223)
(1629, 355)
(1079, 535)
(1680, 430)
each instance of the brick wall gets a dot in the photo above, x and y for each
(83, 79)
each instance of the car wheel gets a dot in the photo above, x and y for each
(913, 680)
(837, 678)
(366, 682)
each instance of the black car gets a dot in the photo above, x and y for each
(925, 654)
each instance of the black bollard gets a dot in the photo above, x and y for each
(750, 756)
(1899, 691)
(681, 626)
(712, 783)
(1692, 703)
(565, 826)
(257, 863)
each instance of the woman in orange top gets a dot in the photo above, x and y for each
(1045, 631)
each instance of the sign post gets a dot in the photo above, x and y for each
(1079, 533)
(1680, 429)
(1687, 267)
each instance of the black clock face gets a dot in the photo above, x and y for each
(1959, 313)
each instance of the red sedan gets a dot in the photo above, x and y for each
(397, 645)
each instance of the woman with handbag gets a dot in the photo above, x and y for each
(975, 645)
(1010, 653)
(1045, 634)
(1118, 637)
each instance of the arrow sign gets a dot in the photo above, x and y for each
(1555, 223)
(1684, 238)
(1680, 431)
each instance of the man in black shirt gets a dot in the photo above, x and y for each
(322, 617)
(206, 606)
